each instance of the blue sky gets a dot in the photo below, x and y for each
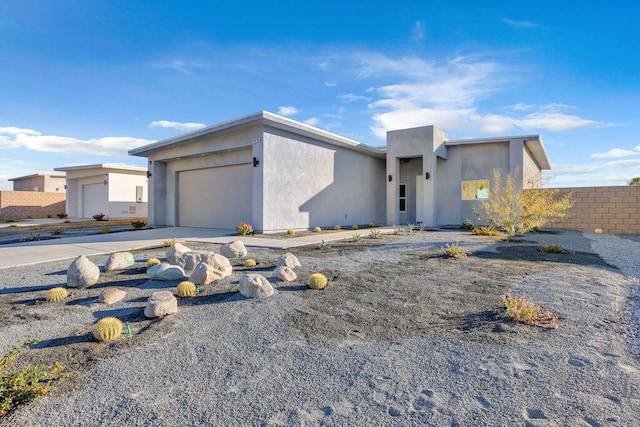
(82, 82)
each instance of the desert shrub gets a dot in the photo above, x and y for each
(337, 227)
(354, 227)
(323, 245)
(62, 215)
(454, 250)
(49, 215)
(57, 294)
(108, 329)
(317, 281)
(372, 224)
(152, 261)
(511, 209)
(168, 243)
(291, 232)
(554, 249)
(421, 226)
(411, 227)
(26, 384)
(33, 237)
(467, 225)
(57, 231)
(250, 262)
(317, 229)
(138, 223)
(244, 228)
(67, 222)
(105, 230)
(9, 220)
(396, 229)
(13, 225)
(356, 237)
(374, 233)
(99, 217)
(486, 231)
(186, 289)
(523, 310)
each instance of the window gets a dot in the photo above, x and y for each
(403, 197)
(472, 190)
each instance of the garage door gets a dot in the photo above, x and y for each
(214, 197)
(94, 200)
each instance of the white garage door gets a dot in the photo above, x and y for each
(214, 197)
(94, 199)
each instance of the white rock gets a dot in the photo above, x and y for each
(174, 253)
(285, 273)
(119, 261)
(82, 272)
(111, 296)
(215, 267)
(234, 249)
(288, 260)
(189, 260)
(161, 303)
(166, 272)
(255, 286)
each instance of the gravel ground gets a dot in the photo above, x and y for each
(401, 336)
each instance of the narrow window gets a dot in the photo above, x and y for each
(403, 197)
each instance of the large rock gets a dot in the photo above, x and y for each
(285, 273)
(255, 286)
(215, 267)
(161, 303)
(119, 261)
(288, 260)
(174, 253)
(234, 249)
(82, 272)
(166, 272)
(189, 260)
(111, 296)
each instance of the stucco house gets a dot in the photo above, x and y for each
(117, 191)
(277, 173)
(41, 182)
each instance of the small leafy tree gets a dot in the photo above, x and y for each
(513, 210)
(635, 181)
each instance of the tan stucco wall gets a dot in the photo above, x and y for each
(34, 204)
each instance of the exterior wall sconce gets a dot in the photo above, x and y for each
(148, 174)
(426, 175)
(390, 178)
(105, 182)
(65, 186)
(256, 162)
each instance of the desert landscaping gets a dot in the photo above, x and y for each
(401, 335)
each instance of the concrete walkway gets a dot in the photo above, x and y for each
(26, 253)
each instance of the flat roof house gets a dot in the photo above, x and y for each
(117, 191)
(278, 173)
(41, 182)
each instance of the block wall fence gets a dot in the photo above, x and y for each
(34, 204)
(611, 210)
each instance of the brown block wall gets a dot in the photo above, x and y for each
(612, 210)
(34, 204)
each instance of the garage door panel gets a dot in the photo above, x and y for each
(94, 197)
(214, 197)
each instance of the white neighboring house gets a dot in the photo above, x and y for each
(41, 182)
(115, 190)
(277, 173)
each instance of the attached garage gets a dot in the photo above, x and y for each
(94, 199)
(218, 197)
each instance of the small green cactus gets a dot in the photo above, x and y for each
(57, 294)
(108, 329)
(153, 261)
(186, 289)
(337, 228)
(291, 231)
(354, 227)
(317, 281)
(250, 262)
(317, 229)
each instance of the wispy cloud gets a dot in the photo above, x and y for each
(616, 152)
(184, 67)
(350, 97)
(12, 137)
(623, 163)
(330, 84)
(312, 121)
(176, 125)
(417, 32)
(522, 24)
(285, 110)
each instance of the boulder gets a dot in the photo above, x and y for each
(82, 272)
(215, 267)
(189, 260)
(166, 272)
(174, 253)
(288, 260)
(161, 303)
(119, 261)
(255, 286)
(234, 249)
(285, 273)
(111, 296)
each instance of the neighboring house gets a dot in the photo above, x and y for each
(118, 191)
(42, 182)
(278, 173)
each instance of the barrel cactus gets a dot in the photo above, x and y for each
(317, 281)
(108, 329)
(337, 227)
(187, 289)
(291, 231)
(250, 262)
(153, 261)
(317, 229)
(57, 294)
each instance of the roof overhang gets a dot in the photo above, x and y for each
(110, 166)
(34, 175)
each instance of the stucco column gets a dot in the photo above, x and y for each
(393, 170)
(157, 208)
